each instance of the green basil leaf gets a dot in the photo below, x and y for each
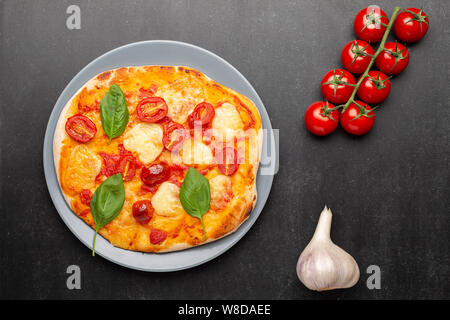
(107, 202)
(195, 196)
(114, 112)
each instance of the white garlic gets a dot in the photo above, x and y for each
(323, 265)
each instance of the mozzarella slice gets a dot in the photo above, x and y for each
(146, 140)
(166, 201)
(82, 169)
(227, 122)
(196, 152)
(181, 97)
(220, 187)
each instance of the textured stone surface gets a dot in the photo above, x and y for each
(388, 190)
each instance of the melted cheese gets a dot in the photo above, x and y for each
(181, 98)
(146, 140)
(196, 153)
(82, 168)
(166, 200)
(227, 122)
(220, 187)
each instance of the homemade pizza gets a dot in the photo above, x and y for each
(158, 158)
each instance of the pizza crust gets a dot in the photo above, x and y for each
(239, 208)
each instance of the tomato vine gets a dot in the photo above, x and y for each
(372, 60)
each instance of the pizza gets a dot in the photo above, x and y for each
(158, 158)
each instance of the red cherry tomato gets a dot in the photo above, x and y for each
(356, 56)
(157, 236)
(337, 85)
(127, 167)
(203, 114)
(143, 211)
(80, 128)
(174, 136)
(358, 120)
(320, 120)
(154, 174)
(152, 109)
(411, 25)
(393, 59)
(375, 87)
(370, 24)
(226, 160)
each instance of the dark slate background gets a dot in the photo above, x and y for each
(389, 190)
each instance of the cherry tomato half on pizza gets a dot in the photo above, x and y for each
(127, 166)
(152, 109)
(174, 136)
(227, 160)
(143, 211)
(80, 128)
(157, 236)
(154, 174)
(321, 119)
(202, 115)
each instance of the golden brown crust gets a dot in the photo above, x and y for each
(183, 231)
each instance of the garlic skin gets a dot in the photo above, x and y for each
(323, 265)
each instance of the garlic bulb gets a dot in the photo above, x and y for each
(323, 265)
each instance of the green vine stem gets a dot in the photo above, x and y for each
(372, 60)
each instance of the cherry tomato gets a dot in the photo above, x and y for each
(143, 211)
(393, 59)
(127, 167)
(226, 160)
(80, 128)
(375, 87)
(203, 114)
(157, 236)
(370, 24)
(174, 135)
(337, 85)
(152, 109)
(154, 174)
(356, 56)
(411, 25)
(358, 120)
(320, 120)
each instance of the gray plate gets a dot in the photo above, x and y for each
(157, 53)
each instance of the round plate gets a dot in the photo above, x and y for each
(168, 53)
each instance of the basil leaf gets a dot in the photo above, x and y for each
(114, 112)
(107, 202)
(195, 196)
